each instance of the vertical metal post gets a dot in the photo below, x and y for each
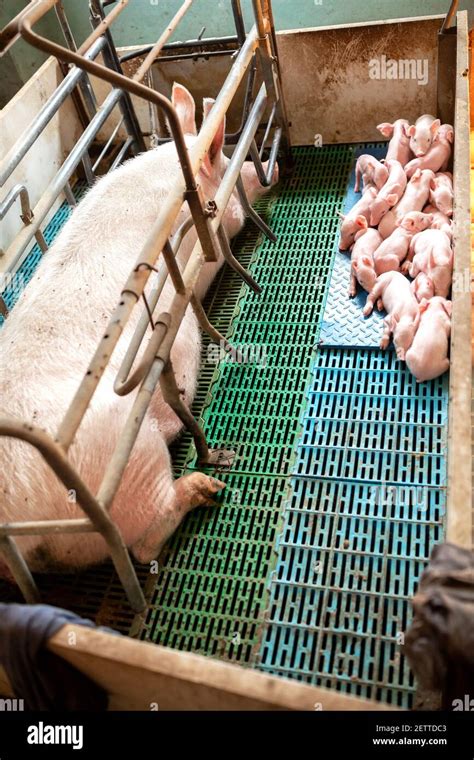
(111, 59)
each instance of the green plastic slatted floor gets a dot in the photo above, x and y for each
(210, 593)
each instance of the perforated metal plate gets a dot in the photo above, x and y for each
(343, 322)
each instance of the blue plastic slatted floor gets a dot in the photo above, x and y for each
(24, 274)
(343, 323)
(366, 504)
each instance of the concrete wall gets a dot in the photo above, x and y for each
(143, 20)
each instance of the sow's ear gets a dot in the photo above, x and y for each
(215, 149)
(185, 107)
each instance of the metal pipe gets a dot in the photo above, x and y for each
(26, 215)
(19, 569)
(233, 263)
(18, 151)
(172, 397)
(238, 21)
(158, 46)
(111, 59)
(266, 177)
(57, 460)
(108, 144)
(252, 214)
(162, 227)
(449, 16)
(122, 153)
(46, 527)
(206, 42)
(84, 83)
(16, 252)
(102, 27)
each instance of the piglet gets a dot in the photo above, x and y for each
(362, 260)
(356, 219)
(399, 146)
(422, 134)
(390, 193)
(422, 287)
(438, 156)
(416, 221)
(430, 252)
(414, 198)
(440, 220)
(372, 172)
(442, 192)
(427, 357)
(392, 251)
(392, 289)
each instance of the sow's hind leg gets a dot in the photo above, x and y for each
(160, 503)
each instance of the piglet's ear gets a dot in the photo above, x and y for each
(416, 175)
(355, 264)
(410, 131)
(385, 128)
(450, 135)
(435, 126)
(432, 183)
(423, 305)
(361, 222)
(365, 260)
(392, 199)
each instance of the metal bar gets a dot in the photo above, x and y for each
(158, 46)
(233, 137)
(208, 328)
(267, 131)
(102, 27)
(69, 195)
(191, 163)
(108, 144)
(172, 397)
(84, 83)
(26, 215)
(122, 153)
(449, 16)
(18, 151)
(196, 56)
(207, 42)
(238, 21)
(57, 460)
(46, 527)
(250, 212)
(111, 59)
(266, 177)
(19, 569)
(15, 253)
(233, 263)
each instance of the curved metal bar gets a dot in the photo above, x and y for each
(57, 460)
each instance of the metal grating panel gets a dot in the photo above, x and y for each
(343, 321)
(366, 507)
(211, 592)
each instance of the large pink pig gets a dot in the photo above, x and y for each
(414, 198)
(442, 192)
(392, 291)
(422, 134)
(427, 356)
(390, 193)
(430, 252)
(372, 172)
(438, 156)
(362, 260)
(51, 334)
(399, 146)
(356, 219)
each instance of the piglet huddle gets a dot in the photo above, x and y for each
(402, 226)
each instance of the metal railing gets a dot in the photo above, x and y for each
(258, 47)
